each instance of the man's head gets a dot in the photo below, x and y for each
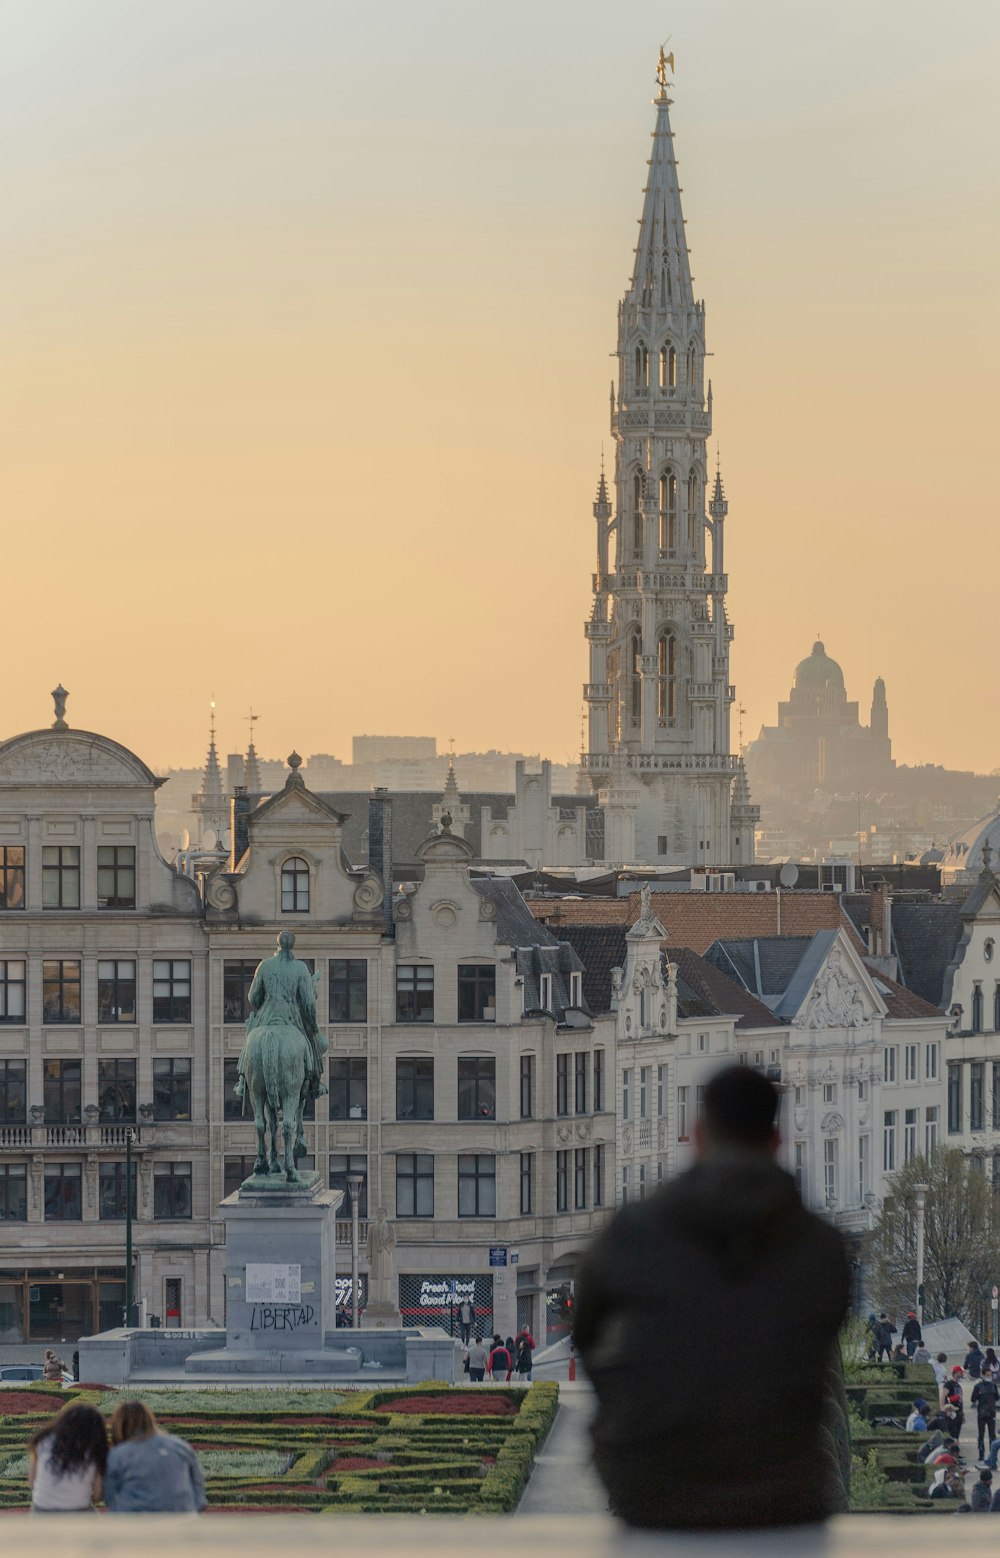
(286, 941)
(740, 1109)
(920, 1404)
(883, 1315)
(986, 1476)
(942, 1357)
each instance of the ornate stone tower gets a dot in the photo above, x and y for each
(659, 693)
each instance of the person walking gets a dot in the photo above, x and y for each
(148, 1471)
(911, 1335)
(66, 1462)
(990, 1366)
(500, 1360)
(477, 1353)
(466, 1320)
(52, 1367)
(884, 1333)
(985, 1396)
(974, 1360)
(729, 1237)
(522, 1358)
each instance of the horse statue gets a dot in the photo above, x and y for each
(282, 1058)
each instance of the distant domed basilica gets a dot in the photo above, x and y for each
(819, 740)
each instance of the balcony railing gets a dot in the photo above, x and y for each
(33, 1137)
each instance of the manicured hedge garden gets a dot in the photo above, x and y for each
(419, 1450)
(889, 1390)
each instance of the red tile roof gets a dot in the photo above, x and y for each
(696, 919)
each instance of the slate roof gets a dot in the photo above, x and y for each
(781, 971)
(600, 949)
(697, 919)
(924, 938)
(515, 924)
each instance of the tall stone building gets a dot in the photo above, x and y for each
(659, 692)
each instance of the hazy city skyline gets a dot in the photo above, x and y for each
(313, 308)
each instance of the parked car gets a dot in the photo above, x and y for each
(10, 1372)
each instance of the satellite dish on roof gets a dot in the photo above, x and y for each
(208, 839)
(185, 839)
(789, 874)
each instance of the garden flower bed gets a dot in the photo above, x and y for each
(420, 1450)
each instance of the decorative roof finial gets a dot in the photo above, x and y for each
(446, 822)
(295, 780)
(664, 60)
(59, 696)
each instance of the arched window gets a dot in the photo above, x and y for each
(637, 490)
(668, 512)
(295, 886)
(634, 676)
(668, 368)
(641, 367)
(694, 510)
(692, 365)
(977, 1009)
(666, 675)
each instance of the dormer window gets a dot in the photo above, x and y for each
(545, 992)
(295, 886)
(576, 989)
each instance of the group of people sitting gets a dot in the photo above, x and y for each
(72, 1467)
(499, 1358)
(941, 1452)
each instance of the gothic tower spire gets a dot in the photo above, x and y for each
(251, 766)
(659, 692)
(210, 804)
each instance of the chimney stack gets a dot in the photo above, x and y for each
(380, 849)
(239, 811)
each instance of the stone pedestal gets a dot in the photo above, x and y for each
(280, 1272)
(382, 1317)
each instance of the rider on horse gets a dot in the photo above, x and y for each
(284, 992)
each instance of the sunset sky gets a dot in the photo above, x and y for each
(305, 318)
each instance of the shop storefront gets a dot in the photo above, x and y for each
(60, 1305)
(434, 1300)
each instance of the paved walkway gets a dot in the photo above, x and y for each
(563, 1481)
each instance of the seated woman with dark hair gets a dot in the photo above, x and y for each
(150, 1472)
(66, 1461)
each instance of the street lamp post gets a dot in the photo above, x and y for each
(921, 1191)
(354, 1182)
(129, 1139)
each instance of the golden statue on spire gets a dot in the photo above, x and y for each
(664, 60)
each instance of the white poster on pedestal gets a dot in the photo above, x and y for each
(273, 1284)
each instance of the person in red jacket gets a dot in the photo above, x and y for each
(500, 1359)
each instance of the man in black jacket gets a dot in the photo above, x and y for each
(725, 1250)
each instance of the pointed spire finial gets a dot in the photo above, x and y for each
(59, 696)
(664, 60)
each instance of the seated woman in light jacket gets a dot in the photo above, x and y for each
(149, 1471)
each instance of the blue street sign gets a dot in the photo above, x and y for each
(498, 1255)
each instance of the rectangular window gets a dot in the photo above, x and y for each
(171, 1088)
(13, 1092)
(13, 1193)
(576, 988)
(643, 1092)
(61, 876)
(625, 1184)
(599, 1175)
(562, 1181)
(477, 992)
(415, 1087)
(911, 1065)
(61, 990)
(414, 1184)
(116, 1091)
(63, 1192)
(414, 992)
(703, 1044)
(931, 1061)
(800, 1168)
(699, 1100)
(682, 1114)
(830, 1170)
(477, 1184)
(580, 1070)
(562, 1084)
(111, 1193)
(11, 876)
(172, 990)
(889, 1142)
(116, 876)
(348, 1087)
(527, 1183)
(580, 1179)
(889, 1058)
(598, 1081)
(115, 990)
(342, 1166)
(12, 990)
(955, 1100)
(235, 1170)
(661, 1090)
(627, 1093)
(477, 1087)
(348, 989)
(864, 1167)
(909, 1135)
(527, 1086)
(642, 1181)
(829, 1092)
(976, 1084)
(237, 977)
(931, 1128)
(61, 1091)
(545, 992)
(232, 1103)
(995, 1118)
(171, 1191)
